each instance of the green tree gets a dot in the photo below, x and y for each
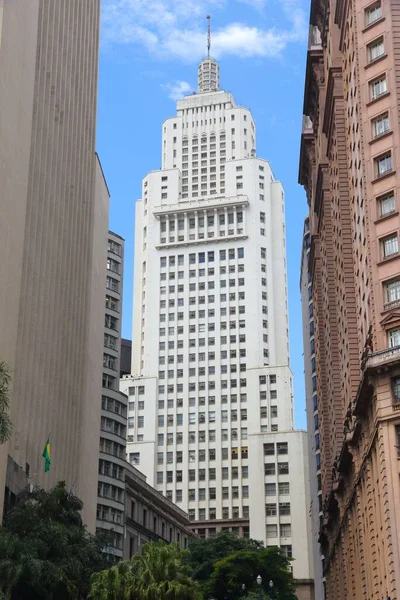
(5, 421)
(159, 572)
(203, 553)
(115, 583)
(46, 552)
(162, 573)
(243, 567)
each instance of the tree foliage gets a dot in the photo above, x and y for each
(159, 572)
(115, 583)
(243, 567)
(203, 553)
(45, 550)
(5, 421)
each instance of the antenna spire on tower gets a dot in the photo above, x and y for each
(209, 36)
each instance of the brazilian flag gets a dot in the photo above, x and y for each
(46, 456)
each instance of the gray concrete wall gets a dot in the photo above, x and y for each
(48, 89)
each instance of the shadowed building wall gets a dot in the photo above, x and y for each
(53, 229)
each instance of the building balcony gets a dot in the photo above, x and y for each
(383, 358)
(392, 304)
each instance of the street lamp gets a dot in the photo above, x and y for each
(259, 582)
(271, 587)
(243, 588)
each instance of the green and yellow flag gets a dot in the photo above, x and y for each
(46, 456)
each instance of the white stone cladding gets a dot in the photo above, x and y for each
(211, 381)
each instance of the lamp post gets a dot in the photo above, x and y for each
(271, 587)
(243, 588)
(259, 582)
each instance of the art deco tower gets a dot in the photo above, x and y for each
(211, 411)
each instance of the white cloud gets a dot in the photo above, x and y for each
(165, 28)
(177, 89)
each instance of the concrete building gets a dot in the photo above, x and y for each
(53, 232)
(210, 398)
(149, 516)
(310, 376)
(112, 458)
(126, 357)
(349, 167)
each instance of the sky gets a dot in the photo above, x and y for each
(149, 53)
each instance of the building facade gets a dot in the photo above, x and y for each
(310, 376)
(210, 418)
(113, 423)
(53, 229)
(348, 166)
(150, 517)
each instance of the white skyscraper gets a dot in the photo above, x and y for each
(211, 399)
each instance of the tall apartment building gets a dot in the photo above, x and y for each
(112, 458)
(349, 167)
(210, 399)
(53, 232)
(314, 454)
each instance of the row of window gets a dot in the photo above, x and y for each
(201, 417)
(202, 474)
(271, 510)
(202, 371)
(114, 248)
(113, 448)
(222, 219)
(211, 311)
(210, 342)
(201, 400)
(114, 427)
(271, 468)
(202, 456)
(202, 385)
(211, 298)
(212, 513)
(211, 326)
(202, 356)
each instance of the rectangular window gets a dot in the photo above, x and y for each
(284, 508)
(285, 530)
(390, 246)
(375, 49)
(269, 449)
(269, 468)
(383, 164)
(272, 531)
(270, 489)
(282, 447)
(386, 204)
(270, 510)
(378, 87)
(283, 468)
(392, 291)
(394, 338)
(380, 125)
(373, 13)
(284, 488)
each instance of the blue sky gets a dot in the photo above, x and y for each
(149, 55)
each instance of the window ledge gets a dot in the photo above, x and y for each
(381, 136)
(371, 25)
(384, 95)
(394, 213)
(388, 259)
(376, 60)
(384, 176)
